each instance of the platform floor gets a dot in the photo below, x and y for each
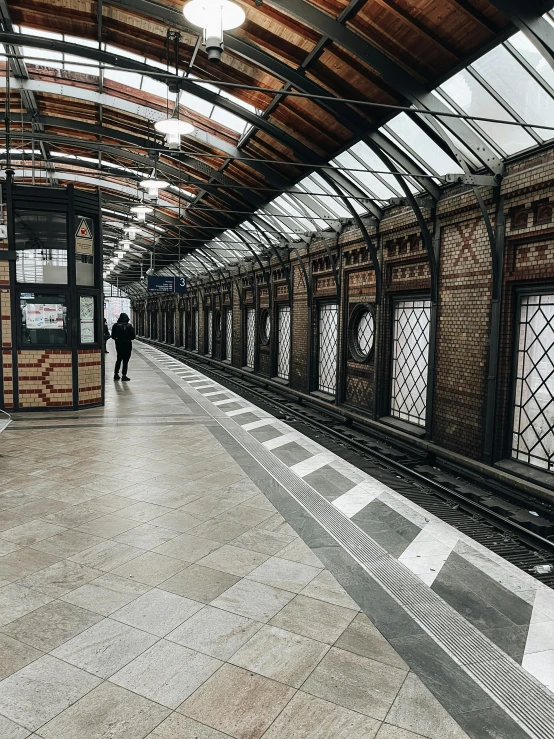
(180, 564)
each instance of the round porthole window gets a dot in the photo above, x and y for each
(361, 332)
(265, 326)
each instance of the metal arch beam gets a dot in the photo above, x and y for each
(527, 17)
(392, 73)
(199, 91)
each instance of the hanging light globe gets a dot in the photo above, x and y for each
(152, 187)
(214, 17)
(140, 211)
(173, 129)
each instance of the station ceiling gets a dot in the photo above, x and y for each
(315, 112)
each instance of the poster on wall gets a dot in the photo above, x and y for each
(52, 315)
(34, 316)
(87, 319)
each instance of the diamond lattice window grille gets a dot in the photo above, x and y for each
(365, 332)
(210, 330)
(250, 337)
(196, 331)
(283, 346)
(533, 428)
(228, 333)
(327, 347)
(412, 319)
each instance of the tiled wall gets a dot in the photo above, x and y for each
(6, 332)
(90, 376)
(44, 378)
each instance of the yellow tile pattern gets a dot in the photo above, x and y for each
(90, 376)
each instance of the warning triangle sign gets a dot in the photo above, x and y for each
(83, 230)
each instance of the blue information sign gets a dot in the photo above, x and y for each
(166, 284)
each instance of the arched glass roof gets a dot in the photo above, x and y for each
(512, 83)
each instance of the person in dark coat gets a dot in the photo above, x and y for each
(106, 336)
(123, 334)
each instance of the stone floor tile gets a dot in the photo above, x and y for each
(280, 655)
(281, 573)
(298, 551)
(166, 673)
(277, 525)
(106, 594)
(75, 515)
(146, 536)
(108, 712)
(157, 612)
(247, 515)
(220, 530)
(60, 578)
(24, 562)
(393, 732)
(67, 543)
(9, 730)
(41, 690)
(107, 526)
(10, 518)
(110, 502)
(177, 520)
(265, 542)
(14, 655)
(107, 555)
(40, 507)
(208, 506)
(308, 717)
(7, 547)
(260, 501)
(16, 601)
(314, 618)
(355, 682)
(105, 648)
(237, 702)
(416, 709)
(253, 600)
(199, 583)
(362, 638)
(47, 627)
(234, 560)
(181, 727)
(143, 512)
(188, 548)
(172, 498)
(150, 568)
(29, 533)
(325, 587)
(215, 632)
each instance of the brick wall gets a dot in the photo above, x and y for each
(44, 378)
(90, 376)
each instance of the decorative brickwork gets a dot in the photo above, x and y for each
(90, 376)
(6, 317)
(44, 378)
(8, 377)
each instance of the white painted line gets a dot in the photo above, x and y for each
(312, 464)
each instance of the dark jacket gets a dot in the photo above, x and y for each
(123, 332)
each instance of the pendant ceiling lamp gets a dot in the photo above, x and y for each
(130, 233)
(214, 17)
(152, 186)
(173, 129)
(140, 211)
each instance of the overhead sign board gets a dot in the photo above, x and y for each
(84, 236)
(166, 284)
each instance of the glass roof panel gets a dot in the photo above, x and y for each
(131, 79)
(513, 82)
(228, 119)
(415, 138)
(473, 99)
(533, 56)
(368, 182)
(372, 161)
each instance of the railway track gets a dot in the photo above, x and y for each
(498, 517)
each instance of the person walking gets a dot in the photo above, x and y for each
(123, 334)
(107, 336)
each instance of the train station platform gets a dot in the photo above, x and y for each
(180, 564)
